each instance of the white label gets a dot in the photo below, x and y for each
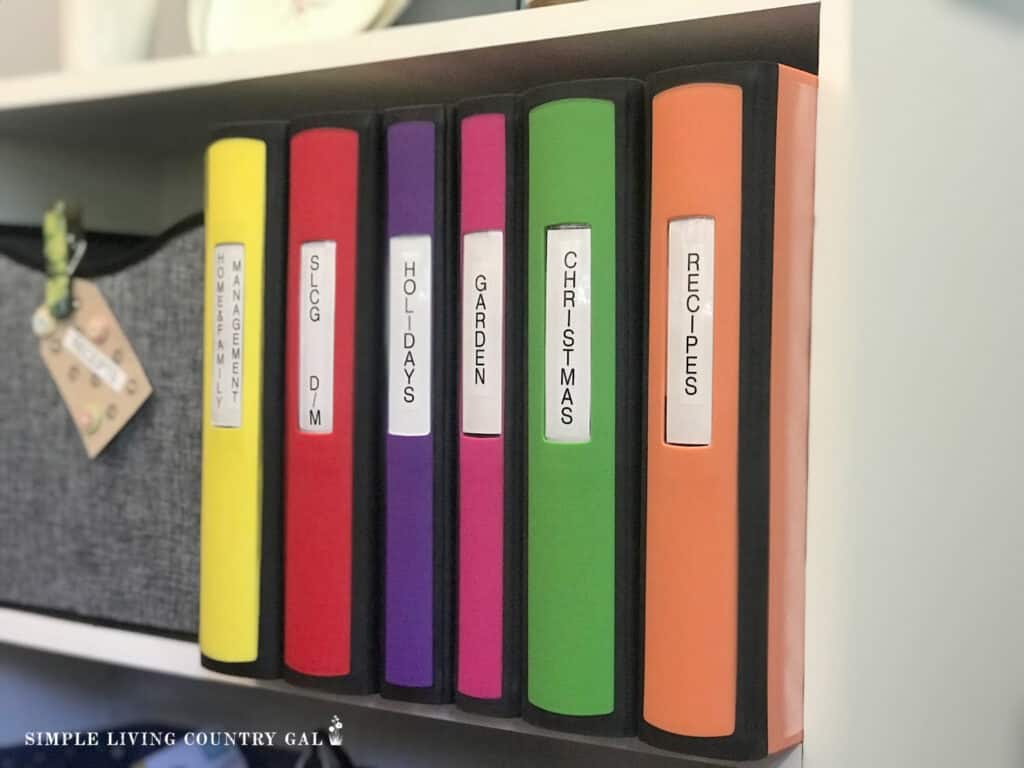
(105, 369)
(228, 330)
(316, 336)
(483, 307)
(567, 335)
(691, 289)
(409, 342)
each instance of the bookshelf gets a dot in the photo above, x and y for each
(914, 612)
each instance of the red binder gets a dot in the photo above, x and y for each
(332, 404)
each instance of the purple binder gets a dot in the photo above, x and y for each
(419, 457)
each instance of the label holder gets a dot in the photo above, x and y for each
(410, 328)
(689, 350)
(483, 328)
(228, 333)
(567, 334)
(317, 271)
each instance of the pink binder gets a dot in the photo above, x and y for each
(490, 417)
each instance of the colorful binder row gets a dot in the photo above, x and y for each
(478, 429)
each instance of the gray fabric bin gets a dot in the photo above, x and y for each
(116, 539)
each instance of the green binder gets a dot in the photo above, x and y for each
(585, 372)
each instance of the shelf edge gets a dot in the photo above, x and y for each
(374, 47)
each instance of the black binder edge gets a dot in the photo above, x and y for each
(510, 702)
(630, 108)
(271, 631)
(368, 384)
(759, 81)
(444, 321)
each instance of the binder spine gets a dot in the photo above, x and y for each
(332, 486)
(241, 528)
(419, 446)
(584, 148)
(489, 598)
(706, 690)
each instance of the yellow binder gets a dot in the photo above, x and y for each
(240, 549)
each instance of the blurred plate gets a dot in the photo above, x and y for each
(217, 26)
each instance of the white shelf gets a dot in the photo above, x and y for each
(162, 104)
(126, 142)
(181, 658)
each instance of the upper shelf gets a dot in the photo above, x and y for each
(165, 104)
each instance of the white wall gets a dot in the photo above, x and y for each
(915, 560)
(30, 38)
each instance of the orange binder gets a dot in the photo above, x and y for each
(732, 192)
